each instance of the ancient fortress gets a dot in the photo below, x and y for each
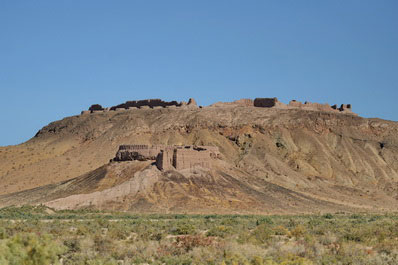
(169, 157)
(191, 104)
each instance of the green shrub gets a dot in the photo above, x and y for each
(183, 229)
(219, 231)
(3, 233)
(72, 244)
(261, 234)
(30, 249)
(298, 231)
(328, 216)
(280, 230)
(264, 220)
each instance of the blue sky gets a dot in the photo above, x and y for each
(59, 57)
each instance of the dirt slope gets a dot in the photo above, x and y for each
(340, 161)
(219, 190)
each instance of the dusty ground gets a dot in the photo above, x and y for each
(273, 161)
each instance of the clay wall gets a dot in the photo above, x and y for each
(137, 152)
(295, 103)
(164, 160)
(244, 102)
(258, 102)
(147, 102)
(169, 157)
(344, 108)
(213, 151)
(95, 107)
(189, 158)
(265, 102)
(316, 106)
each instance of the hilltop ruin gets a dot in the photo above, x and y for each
(142, 104)
(257, 102)
(169, 157)
(275, 103)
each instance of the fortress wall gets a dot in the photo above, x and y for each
(189, 158)
(213, 151)
(244, 102)
(146, 103)
(310, 106)
(164, 160)
(269, 103)
(95, 107)
(265, 102)
(137, 152)
(151, 103)
(296, 104)
(169, 157)
(317, 106)
(344, 108)
(257, 102)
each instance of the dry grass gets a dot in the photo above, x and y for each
(93, 237)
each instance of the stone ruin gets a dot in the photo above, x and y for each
(151, 103)
(344, 108)
(267, 102)
(139, 152)
(257, 102)
(275, 103)
(244, 102)
(169, 157)
(142, 104)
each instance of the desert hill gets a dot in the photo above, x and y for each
(274, 160)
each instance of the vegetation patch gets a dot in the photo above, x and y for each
(39, 235)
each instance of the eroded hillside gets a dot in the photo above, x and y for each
(344, 160)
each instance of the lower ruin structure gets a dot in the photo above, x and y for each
(169, 157)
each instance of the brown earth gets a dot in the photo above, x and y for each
(274, 161)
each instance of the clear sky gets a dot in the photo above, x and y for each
(59, 57)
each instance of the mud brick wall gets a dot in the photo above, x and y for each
(265, 102)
